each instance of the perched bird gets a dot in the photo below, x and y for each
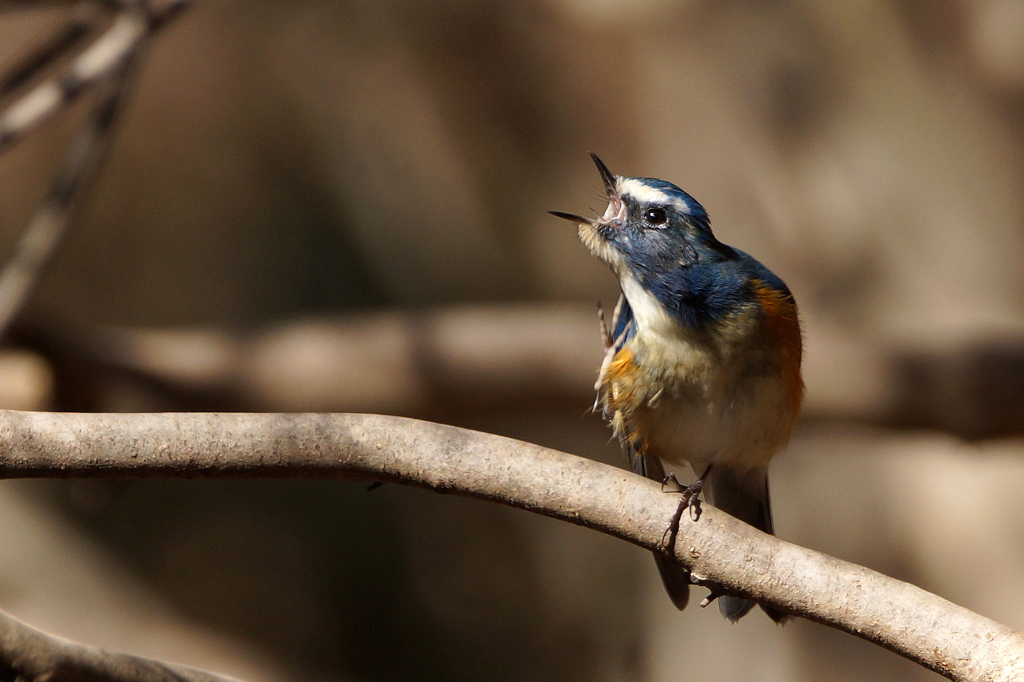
(702, 365)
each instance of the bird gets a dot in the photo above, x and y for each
(702, 361)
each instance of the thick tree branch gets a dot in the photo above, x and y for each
(718, 549)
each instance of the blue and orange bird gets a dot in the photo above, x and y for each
(702, 365)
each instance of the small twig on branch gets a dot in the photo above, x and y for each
(719, 550)
(30, 655)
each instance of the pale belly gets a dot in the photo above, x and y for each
(738, 423)
(701, 404)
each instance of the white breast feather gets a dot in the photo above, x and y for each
(711, 407)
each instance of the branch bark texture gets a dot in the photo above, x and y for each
(720, 550)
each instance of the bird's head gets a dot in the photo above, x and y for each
(649, 226)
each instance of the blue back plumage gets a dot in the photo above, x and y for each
(719, 281)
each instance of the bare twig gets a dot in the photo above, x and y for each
(102, 59)
(62, 40)
(719, 550)
(50, 219)
(106, 65)
(30, 655)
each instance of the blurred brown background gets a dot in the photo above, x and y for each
(340, 205)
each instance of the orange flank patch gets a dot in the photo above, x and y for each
(621, 397)
(620, 366)
(783, 323)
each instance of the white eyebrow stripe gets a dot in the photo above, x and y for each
(648, 195)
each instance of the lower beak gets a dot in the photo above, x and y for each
(573, 218)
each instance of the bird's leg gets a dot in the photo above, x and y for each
(688, 493)
(689, 498)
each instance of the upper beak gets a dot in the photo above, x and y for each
(606, 177)
(609, 185)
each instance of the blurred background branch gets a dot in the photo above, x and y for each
(31, 655)
(101, 61)
(105, 65)
(486, 357)
(44, 231)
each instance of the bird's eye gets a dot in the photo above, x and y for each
(655, 216)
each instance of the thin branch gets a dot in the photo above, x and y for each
(133, 23)
(162, 12)
(719, 550)
(50, 219)
(30, 655)
(102, 59)
(63, 40)
(106, 64)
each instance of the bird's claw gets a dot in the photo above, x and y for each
(689, 498)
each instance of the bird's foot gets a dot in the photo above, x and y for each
(689, 498)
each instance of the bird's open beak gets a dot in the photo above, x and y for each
(613, 197)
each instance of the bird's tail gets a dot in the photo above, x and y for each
(676, 580)
(746, 497)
